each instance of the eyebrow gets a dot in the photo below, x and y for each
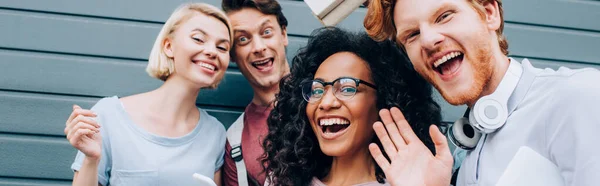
(243, 30)
(265, 23)
(204, 33)
(442, 7)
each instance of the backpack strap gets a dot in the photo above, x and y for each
(234, 135)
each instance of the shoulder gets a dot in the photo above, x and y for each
(108, 110)
(209, 121)
(106, 104)
(569, 86)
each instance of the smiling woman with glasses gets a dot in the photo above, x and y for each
(322, 123)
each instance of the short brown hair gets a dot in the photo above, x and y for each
(379, 21)
(268, 7)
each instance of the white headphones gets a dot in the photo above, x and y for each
(488, 114)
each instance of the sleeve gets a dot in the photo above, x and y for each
(572, 133)
(221, 159)
(229, 170)
(104, 165)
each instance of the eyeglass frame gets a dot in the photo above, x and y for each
(325, 84)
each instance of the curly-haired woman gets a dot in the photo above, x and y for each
(322, 123)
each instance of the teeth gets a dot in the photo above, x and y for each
(206, 65)
(446, 58)
(333, 121)
(261, 62)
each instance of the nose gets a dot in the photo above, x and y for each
(329, 101)
(430, 38)
(259, 45)
(210, 52)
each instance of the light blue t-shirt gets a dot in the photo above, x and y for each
(133, 156)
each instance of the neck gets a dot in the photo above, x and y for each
(265, 96)
(176, 102)
(351, 170)
(499, 67)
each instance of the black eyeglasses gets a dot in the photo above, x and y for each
(345, 88)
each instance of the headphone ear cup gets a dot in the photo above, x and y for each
(463, 135)
(488, 114)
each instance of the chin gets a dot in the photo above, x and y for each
(460, 96)
(332, 150)
(205, 83)
(268, 82)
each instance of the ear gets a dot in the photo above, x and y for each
(493, 19)
(285, 36)
(168, 48)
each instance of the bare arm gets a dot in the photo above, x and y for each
(88, 174)
(218, 177)
(83, 133)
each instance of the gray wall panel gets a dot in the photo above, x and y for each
(573, 14)
(560, 44)
(57, 53)
(123, 39)
(30, 182)
(32, 113)
(69, 34)
(66, 74)
(558, 13)
(33, 156)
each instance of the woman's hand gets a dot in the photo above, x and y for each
(412, 163)
(83, 132)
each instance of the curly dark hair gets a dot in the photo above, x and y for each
(292, 153)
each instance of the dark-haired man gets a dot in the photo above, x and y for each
(260, 38)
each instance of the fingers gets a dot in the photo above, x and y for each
(386, 142)
(392, 129)
(378, 156)
(80, 119)
(441, 145)
(405, 130)
(78, 135)
(79, 111)
(82, 122)
(76, 112)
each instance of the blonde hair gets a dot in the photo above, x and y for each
(379, 21)
(160, 65)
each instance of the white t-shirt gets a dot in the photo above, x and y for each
(558, 117)
(133, 156)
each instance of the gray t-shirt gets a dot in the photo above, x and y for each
(557, 117)
(133, 156)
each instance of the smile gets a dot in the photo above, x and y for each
(264, 64)
(333, 127)
(206, 65)
(448, 64)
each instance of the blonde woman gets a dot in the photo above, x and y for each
(160, 137)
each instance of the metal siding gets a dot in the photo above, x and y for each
(63, 52)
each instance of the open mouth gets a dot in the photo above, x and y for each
(333, 127)
(263, 65)
(206, 66)
(448, 64)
